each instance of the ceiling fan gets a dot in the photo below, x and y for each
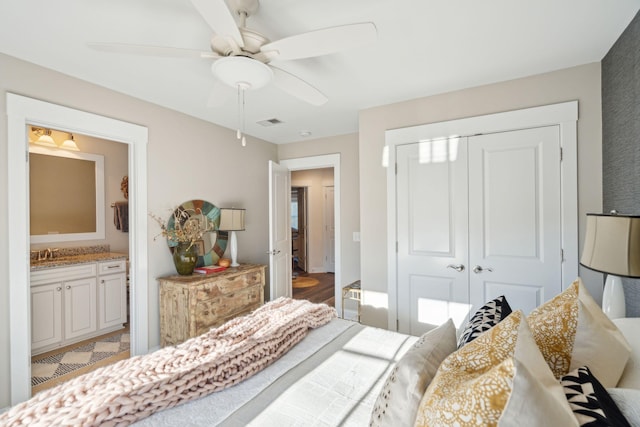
(241, 57)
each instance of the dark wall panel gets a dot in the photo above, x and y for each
(621, 136)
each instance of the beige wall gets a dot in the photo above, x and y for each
(315, 180)
(187, 159)
(116, 166)
(579, 83)
(347, 147)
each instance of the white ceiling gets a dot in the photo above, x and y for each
(424, 47)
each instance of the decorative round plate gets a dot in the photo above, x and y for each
(213, 243)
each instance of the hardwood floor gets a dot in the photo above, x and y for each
(323, 292)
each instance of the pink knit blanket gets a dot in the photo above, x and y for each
(129, 390)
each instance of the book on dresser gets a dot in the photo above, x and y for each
(191, 305)
(209, 269)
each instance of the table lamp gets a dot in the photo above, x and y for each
(232, 219)
(612, 246)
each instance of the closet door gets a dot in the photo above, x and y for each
(515, 217)
(433, 281)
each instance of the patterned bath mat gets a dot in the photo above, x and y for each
(51, 367)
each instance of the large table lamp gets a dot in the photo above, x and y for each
(232, 219)
(612, 246)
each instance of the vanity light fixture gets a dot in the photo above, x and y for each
(70, 144)
(44, 137)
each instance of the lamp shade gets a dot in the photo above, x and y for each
(231, 219)
(612, 244)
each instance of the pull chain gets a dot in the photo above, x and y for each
(241, 115)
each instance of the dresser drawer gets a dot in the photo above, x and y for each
(216, 311)
(229, 285)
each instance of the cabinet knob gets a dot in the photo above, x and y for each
(68, 286)
(102, 281)
(206, 313)
(58, 289)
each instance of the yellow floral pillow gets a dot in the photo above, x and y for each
(572, 331)
(500, 378)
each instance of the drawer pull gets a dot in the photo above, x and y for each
(113, 266)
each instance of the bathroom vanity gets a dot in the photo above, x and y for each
(75, 298)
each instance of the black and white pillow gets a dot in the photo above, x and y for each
(589, 400)
(484, 319)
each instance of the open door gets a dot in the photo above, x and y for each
(279, 231)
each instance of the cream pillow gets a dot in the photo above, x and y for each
(572, 331)
(401, 393)
(501, 379)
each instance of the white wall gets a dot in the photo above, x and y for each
(187, 159)
(347, 147)
(579, 83)
(315, 180)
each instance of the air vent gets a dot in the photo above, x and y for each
(269, 122)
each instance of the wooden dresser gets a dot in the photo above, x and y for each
(191, 305)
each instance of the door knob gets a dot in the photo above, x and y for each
(478, 269)
(273, 252)
(457, 267)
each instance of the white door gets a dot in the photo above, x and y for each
(515, 217)
(329, 231)
(112, 300)
(489, 204)
(46, 315)
(433, 282)
(279, 231)
(79, 307)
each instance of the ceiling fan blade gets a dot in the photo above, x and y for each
(136, 49)
(322, 42)
(297, 87)
(219, 18)
(218, 95)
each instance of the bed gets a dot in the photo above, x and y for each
(330, 378)
(293, 363)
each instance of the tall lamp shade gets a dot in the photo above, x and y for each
(232, 219)
(612, 246)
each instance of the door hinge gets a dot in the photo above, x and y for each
(561, 154)
(26, 156)
(397, 324)
(396, 246)
(396, 167)
(561, 255)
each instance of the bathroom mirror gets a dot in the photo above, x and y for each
(66, 192)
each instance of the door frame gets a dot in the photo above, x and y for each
(319, 162)
(564, 115)
(23, 111)
(325, 213)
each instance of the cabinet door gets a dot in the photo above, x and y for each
(112, 300)
(79, 307)
(46, 315)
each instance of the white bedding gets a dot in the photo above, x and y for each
(330, 378)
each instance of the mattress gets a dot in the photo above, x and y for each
(330, 378)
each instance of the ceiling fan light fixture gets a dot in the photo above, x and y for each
(240, 71)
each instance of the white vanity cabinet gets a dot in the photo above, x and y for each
(46, 317)
(112, 294)
(71, 304)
